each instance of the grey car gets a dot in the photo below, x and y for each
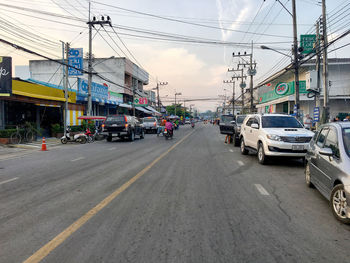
(328, 167)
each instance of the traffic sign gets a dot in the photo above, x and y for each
(317, 114)
(307, 43)
(75, 59)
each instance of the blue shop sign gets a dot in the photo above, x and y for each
(98, 91)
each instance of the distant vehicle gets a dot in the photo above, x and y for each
(187, 122)
(328, 167)
(274, 135)
(150, 124)
(237, 129)
(122, 126)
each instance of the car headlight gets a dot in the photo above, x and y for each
(274, 137)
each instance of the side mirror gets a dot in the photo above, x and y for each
(255, 126)
(326, 152)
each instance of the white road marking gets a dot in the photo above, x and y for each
(240, 163)
(9, 180)
(111, 149)
(231, 150)
(261, 189)
(78, 159)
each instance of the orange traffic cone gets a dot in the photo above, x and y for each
(43, 145)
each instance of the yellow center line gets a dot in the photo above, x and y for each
(60, 238)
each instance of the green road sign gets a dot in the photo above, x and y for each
(307, 43)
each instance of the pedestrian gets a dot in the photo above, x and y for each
(347, 118)
(307, 122)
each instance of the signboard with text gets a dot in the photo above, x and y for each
(5, 76)
(75, 59)
(317, 114)
(141, 102)
(307, 43)
(98, 91)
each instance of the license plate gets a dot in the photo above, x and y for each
(297, 147)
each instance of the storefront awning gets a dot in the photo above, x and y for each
(33, 90)
(143, 110)
(153, 110)
(125, 105)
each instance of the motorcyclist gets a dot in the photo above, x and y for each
(192, 123)
(169, 126)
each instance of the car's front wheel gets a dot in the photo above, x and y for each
(262, 158)
(244, 151)
(132, 136)
(339, 204)
(308, 176)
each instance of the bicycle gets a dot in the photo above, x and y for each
(16, 137)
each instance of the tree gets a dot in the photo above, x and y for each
(180, 111)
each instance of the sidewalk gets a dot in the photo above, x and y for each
(10, 151)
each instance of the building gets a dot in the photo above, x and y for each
(276, 93)
(112, 87)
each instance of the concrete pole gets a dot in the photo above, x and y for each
(325, 65)
(89, 66)
(233, 97)
(251, 81)
(296, 61)
(66, 83)
(318, 68)
(175, 104)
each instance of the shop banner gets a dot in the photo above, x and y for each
(143, 102)
(114, 96)
(5, 76)
(75, 59)
(98, 91)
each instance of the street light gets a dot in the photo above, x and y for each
(176, 93)
(284, 54)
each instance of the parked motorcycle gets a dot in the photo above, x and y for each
(81, 137)
(168, 134)
(89, 135)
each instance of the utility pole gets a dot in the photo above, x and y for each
(233, 94)
(242, 84)
(325, 117)
(91, 24)
(296, 60)
(176, 93)
(251, 72)
(318, 68)
(157, 88)
(65, 46)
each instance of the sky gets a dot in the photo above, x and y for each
(196, 70)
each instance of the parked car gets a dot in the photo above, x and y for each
(122, 126)
(226, 124)
(150, 124)
(274, 135)
(328, 167)
(187, 121)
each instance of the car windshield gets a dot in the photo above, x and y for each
(346, 139)
(227, 118)
(110, 119)
(240, 119)
(280, 122)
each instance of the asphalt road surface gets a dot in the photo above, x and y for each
(190, 199)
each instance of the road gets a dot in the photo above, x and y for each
(190, 199)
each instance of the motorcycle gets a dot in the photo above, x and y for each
(89, 135)
(81, 137)
(168, 134)
(192, 124)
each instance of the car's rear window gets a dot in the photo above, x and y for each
(280, 122)
(114, 119)
(149, 119)
(346, 139)
(240, 119)
(226, 118)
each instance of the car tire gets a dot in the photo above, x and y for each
(132, 136)
(236, 142)
(308, 176)
(109, 138)
(142, 135)
(262, 158)
(338, 204)
(244, 150)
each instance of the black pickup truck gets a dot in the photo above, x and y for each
(231, 125)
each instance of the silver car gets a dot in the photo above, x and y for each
(328, 167)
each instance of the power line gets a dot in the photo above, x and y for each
(186, 22)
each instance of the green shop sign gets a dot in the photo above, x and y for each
(307, 43)
(282, 89)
